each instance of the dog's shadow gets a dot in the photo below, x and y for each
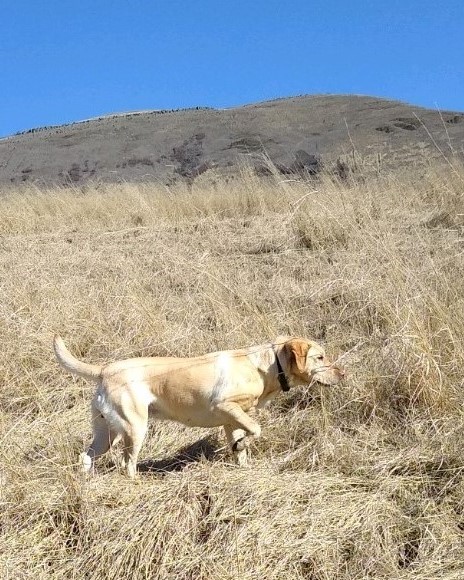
(204, 449)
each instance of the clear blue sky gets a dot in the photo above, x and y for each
(62, 61)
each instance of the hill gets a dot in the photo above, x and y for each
(296, 134)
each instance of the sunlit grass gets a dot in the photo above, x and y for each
(359, 481)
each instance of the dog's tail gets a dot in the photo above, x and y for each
(74, 365)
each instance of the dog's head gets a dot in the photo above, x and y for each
(306, 362)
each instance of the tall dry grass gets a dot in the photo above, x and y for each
(360, 481)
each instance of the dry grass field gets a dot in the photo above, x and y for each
(363, 480)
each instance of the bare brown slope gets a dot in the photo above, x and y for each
(170, 146)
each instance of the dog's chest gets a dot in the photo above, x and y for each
(265, 400)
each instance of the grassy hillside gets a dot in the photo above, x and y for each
(364, 480)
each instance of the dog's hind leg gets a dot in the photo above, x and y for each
(103, 438)
(132, 444)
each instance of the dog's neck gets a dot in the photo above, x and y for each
(267, 361)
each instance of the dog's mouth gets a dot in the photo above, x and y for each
(327, 375)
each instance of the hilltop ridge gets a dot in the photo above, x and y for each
(295, 134)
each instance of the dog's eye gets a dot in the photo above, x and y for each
(320, 357)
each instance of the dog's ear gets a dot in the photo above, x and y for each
(298, 349)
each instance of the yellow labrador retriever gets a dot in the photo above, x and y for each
(219, 388)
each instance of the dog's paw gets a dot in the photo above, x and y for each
(241, 457)
(240, 445)
(86, 462)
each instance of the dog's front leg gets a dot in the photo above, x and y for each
(239, 428)
(238, 443)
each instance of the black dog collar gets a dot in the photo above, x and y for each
(281, 375)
